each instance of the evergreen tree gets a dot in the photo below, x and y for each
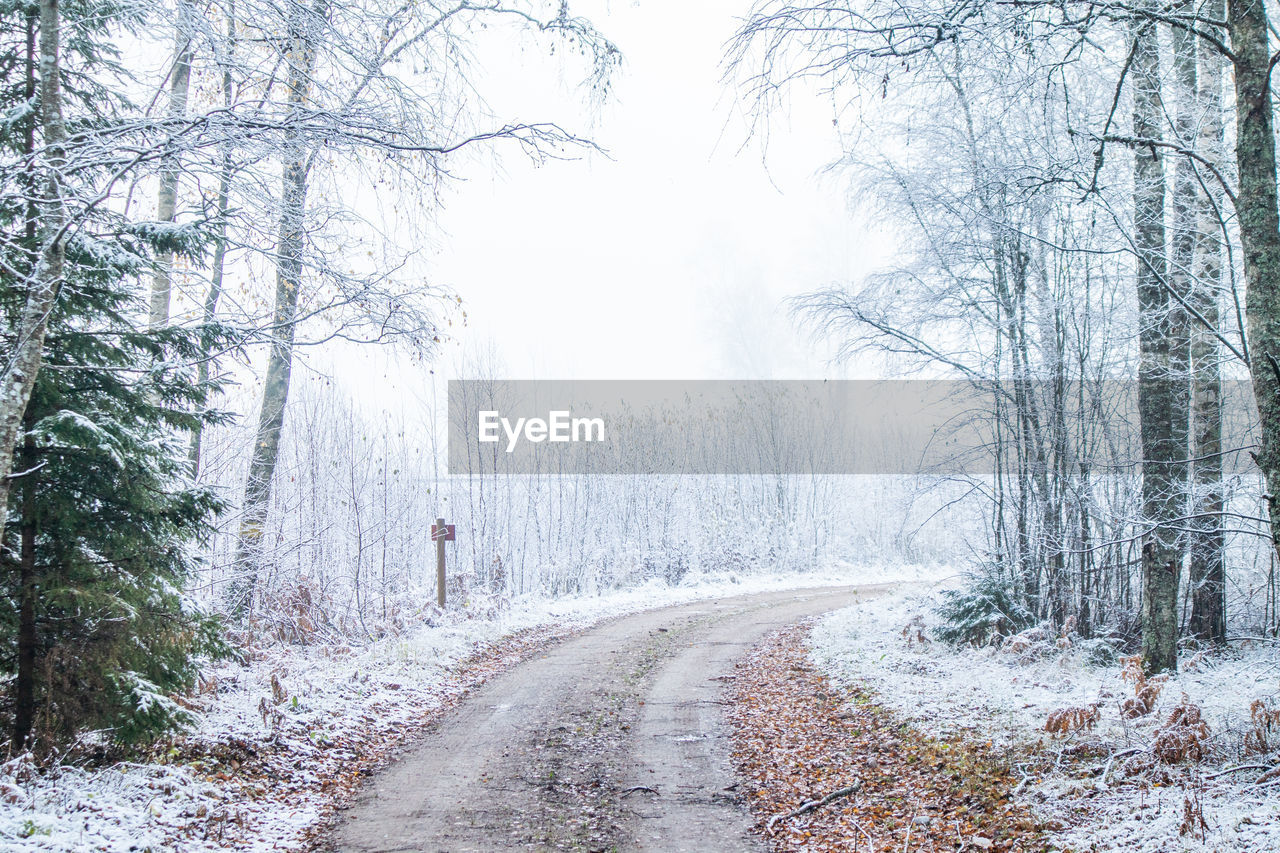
(97, 549)
(98, 542)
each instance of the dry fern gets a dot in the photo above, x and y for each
(1029, 645)
(1147, 766)
(1193, 822)
(278, 691)
(913, 632)
(1067, 720)
(1131, 668)
(1143, 701)
(1145, 690)
(1265, 721)
(1183, 736)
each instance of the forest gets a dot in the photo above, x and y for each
(217, 214)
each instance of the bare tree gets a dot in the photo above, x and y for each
(305, 28)
(866, 50)
(1162, 369)
(343, 95)
(222, 212)
(1207, 567)
(1255, 204)
(171, 166)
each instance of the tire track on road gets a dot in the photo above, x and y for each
(615, 739)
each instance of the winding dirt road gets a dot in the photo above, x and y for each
(612, 740)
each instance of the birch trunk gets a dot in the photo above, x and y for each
(1161, 374)
(289, 265)
(1259, 229)
(171, 168)
(23, 362)
(24, 682)
(1207, 568)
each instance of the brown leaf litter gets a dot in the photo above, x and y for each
(828, 769)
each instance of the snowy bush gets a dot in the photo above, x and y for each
(1098, 652)
(985, 608)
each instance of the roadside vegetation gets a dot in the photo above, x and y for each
(1105, 756)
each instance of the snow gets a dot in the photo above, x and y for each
(107, 443)
(339, 697)
(119, 808)
(1005, 697)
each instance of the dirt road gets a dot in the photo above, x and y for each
(612, 740)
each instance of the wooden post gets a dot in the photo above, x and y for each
(439, 534)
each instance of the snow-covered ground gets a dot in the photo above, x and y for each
(298, 716)
(1006, 696)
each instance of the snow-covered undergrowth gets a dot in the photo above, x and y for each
(277, 739)
(1101, 783)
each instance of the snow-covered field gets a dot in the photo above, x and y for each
(267, 760)
(1105, 799)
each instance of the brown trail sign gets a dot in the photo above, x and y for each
(441, 533)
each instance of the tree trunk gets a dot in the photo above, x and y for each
(24, 686)
(170, 168)
(23, 363)
(1259, 229)
(1162, 377)
(1207, 566)
(219, 262)
(217, 270)
(289, 265)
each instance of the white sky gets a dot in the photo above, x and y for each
(670, 260)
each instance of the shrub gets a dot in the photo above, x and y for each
(985, 608)
(1098, 653)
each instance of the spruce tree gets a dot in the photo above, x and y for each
(103, 519)
(98, 543)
